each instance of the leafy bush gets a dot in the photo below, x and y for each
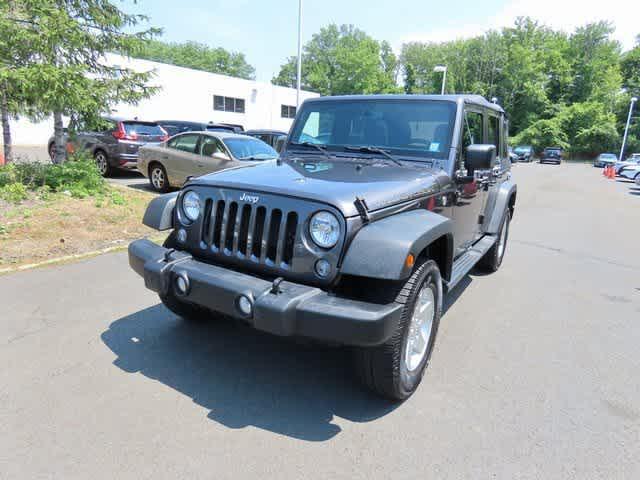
(13, 192)
(78, 175)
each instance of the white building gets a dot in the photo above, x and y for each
(187, 94)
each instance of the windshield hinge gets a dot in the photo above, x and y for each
(362, 208)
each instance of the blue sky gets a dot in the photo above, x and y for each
(266, 31)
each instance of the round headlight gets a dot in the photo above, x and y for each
(324, 229)
(191, 205)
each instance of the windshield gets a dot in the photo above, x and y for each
(247, 148)
(608, 155)
(406, 127)
(176, 128)
(139, 128)
(522, 149)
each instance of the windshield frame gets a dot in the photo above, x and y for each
(408, 154)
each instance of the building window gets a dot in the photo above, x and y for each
(287, 111)
(228, 104)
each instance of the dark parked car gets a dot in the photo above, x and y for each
(605, 160)
(114, 143)
(174, 127)
(551, 155)
(377, 207)
(524, 153)
(269, 137)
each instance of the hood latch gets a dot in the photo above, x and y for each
(362, 208)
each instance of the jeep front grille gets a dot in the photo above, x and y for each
(252, 232)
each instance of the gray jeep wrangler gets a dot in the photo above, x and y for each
(376, 209)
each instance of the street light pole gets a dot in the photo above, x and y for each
(626, 128)
(299, 74)
(441, 69)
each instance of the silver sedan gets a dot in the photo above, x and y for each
(193, 154)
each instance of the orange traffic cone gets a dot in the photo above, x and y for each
(604, 171)
(612, 173)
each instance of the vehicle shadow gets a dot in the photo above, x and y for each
(621, 180)
(245, 377)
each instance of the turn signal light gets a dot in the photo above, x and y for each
(409, 261)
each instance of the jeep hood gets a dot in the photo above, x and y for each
(380, 183)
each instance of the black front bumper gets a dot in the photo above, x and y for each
(296, 310)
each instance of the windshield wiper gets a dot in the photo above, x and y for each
(320, 148)
(372, 149)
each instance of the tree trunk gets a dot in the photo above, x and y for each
(59, 140)
(6, 129)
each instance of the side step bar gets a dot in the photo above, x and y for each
(465, 262)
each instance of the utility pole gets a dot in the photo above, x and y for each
(626, 128)
(441, 69)
(299, 75)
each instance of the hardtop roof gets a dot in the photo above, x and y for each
(465, 98)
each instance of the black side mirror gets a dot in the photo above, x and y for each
(479, 157)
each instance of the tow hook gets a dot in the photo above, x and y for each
(275, 286)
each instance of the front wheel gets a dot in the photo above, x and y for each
(638, 179)
(184, 310)
(158, 178)
(395, 368)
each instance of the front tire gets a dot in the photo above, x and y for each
(395, 368)
(184, 310)
(158, 178)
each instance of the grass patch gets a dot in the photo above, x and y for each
(77, 177)
(59, 224)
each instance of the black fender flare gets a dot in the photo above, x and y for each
(380, 249)
(497, 203)
(159, 213)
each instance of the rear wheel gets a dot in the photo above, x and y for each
(638, 179)
(102, 162)
(395, 368)
(493, 258)
(158, 178)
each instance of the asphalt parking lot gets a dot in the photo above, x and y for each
(535, 372)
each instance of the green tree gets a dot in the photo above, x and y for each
(342, 60)
(287, 76)
(542, 133)
(409, 78)
(589, 127)
(66, 71)
(199, 57)
(595, 63)
(14, 53)
(630, 69)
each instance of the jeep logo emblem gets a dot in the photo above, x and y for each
(249, 198)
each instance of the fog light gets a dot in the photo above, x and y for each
(323, 268)
(182, 235)
(181, 284)
(244, 305)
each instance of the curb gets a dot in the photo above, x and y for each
(69, 258)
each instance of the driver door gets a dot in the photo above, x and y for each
(213, 156)
(469, 195)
